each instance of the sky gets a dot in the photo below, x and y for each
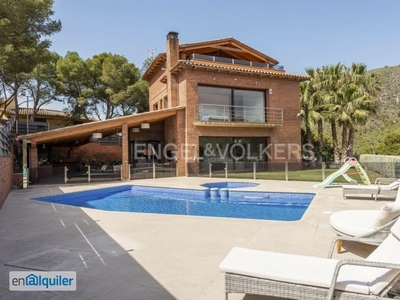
(299, 34)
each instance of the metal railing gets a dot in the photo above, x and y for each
(235, 113)
(235, 61)
(287, 171)
(78, 173)
(6, 137)
(24, 127)
(153, 170)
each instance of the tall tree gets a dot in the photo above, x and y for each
(103, 87)
(360, 91)
(112, 75)
(146, 64)
(342, 97)
(137, 98)
(331, 82)
(24, 26)
(315, 107)
(42, 84)
(73, 78)
(305, 109)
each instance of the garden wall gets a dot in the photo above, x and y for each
(386, 165)
(6, 177)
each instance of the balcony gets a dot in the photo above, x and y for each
(234, 61)
(239, 116)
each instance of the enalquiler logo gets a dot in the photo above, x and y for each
(42, 281)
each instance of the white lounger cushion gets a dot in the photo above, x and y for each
(354, 222)
(363, 222)
(387, 213)
(387, 252)
(307, 270)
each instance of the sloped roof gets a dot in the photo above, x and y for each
(229, 46)
(44, 112)
(83, 132)
(236, 68)
(39, 112)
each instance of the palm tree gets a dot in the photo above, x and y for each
(305, 109)
(343, 97)
(331, 81)
(311, 108)
(359, 93)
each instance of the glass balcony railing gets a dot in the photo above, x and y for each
(234, 113)
(234, 61)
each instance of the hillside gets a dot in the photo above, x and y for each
(370, 138)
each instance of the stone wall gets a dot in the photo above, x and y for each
(6, 177)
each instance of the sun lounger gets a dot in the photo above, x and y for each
(373, 190)
(364, 226)
(303, 277)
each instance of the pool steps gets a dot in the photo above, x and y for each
(226, 195)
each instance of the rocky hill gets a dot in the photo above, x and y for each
(370, 138)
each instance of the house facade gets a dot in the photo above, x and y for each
(239, 104)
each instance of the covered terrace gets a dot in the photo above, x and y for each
(77, 135)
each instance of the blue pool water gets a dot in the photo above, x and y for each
(162, 200)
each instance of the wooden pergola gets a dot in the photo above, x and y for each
(81, 134)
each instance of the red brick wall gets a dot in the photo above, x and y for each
(92, 153)
(285, 139)
(6, 177)
(104, 153)
(157, 90)
(285, 95)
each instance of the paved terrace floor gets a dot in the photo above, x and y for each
(120, 255)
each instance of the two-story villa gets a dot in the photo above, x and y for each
(239, 104)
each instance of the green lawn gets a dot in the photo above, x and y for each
(303, 175)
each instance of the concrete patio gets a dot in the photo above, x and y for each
(120, 255)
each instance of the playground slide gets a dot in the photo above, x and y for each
(328, 180)
(349, 179)
(349, 162)
(363, 174)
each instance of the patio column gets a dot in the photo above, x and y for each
(33, 163)
(125, 153)
(25, 171)
(181, 143)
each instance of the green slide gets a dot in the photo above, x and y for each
(341, 172)
(363, 174)
(328, 180)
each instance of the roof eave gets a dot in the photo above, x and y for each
(183, 64)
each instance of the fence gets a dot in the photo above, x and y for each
(76, 173)
(316, 172)
(6, 137)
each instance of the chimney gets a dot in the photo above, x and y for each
(172, 49)
(172, 60)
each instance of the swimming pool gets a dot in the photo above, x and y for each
(212, 201)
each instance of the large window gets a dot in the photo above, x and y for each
(225, 149)
(236, 105)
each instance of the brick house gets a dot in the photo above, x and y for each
(240, 105)
(214, 101)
